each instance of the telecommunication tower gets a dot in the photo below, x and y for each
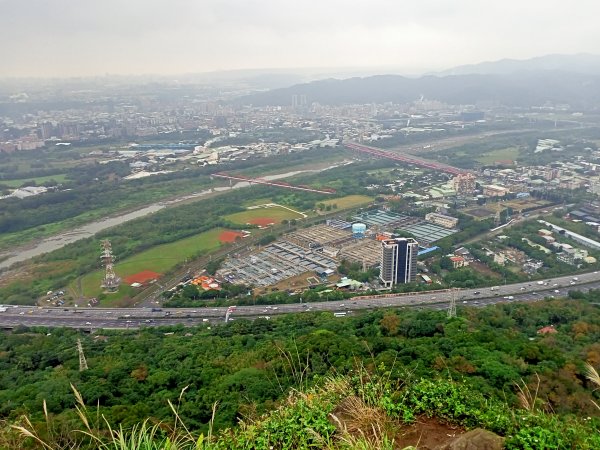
(452, 305)
(111, 281)
(82, 362)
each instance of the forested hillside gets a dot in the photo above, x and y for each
(524, 89)
(247, 368)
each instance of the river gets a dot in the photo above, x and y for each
(55, 242)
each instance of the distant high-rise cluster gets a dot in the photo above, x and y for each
(298, 101)
(464, 183)
(398, 261)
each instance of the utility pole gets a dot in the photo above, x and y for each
(82, 362)
(452, 306)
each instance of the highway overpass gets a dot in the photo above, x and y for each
(125, 318)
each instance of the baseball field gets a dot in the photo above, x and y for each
(159, 260)
(263, 216)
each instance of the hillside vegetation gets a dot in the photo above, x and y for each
(278, 382)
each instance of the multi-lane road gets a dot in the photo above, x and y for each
(123, 318)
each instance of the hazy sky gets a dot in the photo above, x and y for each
(90, 37)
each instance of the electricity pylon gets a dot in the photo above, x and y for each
(82, 362)
(452, 306)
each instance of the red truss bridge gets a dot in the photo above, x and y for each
(405, 158)
(281, 184)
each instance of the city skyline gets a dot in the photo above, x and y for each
(67, 38)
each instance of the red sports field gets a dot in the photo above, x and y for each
(230, 236)
(262, 221)
(142, 277)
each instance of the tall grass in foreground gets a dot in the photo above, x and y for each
(592, 374)
(144, 436)
(357, 411)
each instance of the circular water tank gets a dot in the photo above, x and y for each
(359, 229)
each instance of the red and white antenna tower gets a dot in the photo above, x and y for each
(111, 281)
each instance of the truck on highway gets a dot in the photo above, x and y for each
(2, 308)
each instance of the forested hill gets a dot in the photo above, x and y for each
(520, 89)
(578, 63)
(249, 367)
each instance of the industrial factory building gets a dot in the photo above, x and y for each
(318, 250)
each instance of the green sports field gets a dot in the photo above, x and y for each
(160, 259)
(275, 213)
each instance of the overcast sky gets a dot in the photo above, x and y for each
(91, 37)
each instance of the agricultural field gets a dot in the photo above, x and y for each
(526, 204)
(349, 201)
(503, 154)
(159, 259)
(518, 206)
(263, 216)
(480, 212)
(60, 178)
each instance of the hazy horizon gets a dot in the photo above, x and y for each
(67, 38)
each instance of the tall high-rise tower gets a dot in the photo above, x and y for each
(398, 261)
(111, 281)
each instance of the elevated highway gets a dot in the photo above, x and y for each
(405, 158)
(124, 318)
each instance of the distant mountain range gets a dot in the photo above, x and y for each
(573, 79)
(582, 63)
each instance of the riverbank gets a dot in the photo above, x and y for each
(57, 241)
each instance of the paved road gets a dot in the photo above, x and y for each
(123, 318)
